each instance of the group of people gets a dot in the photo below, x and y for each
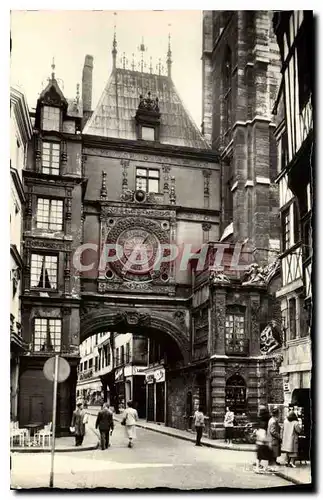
(105, 424)
(270, 444)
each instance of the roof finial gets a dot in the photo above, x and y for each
(114, 44)
(151, 65)
(159, 66)
(53, 69)
(77, 93)
(142, 48)
(133, 62)
(169, 55)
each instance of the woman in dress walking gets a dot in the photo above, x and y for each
(228, 425)
(274, 439)
(291, 430)
(129, 419)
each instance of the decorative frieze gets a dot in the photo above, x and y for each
(50, 244)
(135, 212)
(121, 155)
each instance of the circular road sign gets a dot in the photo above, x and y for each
(62, 372)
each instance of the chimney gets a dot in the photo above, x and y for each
(87, 83)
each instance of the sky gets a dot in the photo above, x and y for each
(38, 36)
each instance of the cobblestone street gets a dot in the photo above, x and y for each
(155, 461)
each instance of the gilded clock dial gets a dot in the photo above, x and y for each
(137, 249)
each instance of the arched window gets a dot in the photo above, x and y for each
(227, 89)
(235, 394)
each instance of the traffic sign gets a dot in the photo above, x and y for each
(63, 370)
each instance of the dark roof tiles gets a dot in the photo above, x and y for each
(115, 112)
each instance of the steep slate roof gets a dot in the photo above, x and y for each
(116, 109)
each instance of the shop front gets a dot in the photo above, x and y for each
(119, 378)
(156, 394)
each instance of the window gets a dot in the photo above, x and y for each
(108, 355)
(235, 340)
(307, 246)
(50, 214)
(227, 87)
(292, 318)
(117, 357)
(304, 63)
(286, 229)
(51, 118)
(50, 158)
(148, 133)
(296, 223)
(147, 180)
(47, 334)
(90, 363)
(43, 272)
(122, 354)
(128, 352)
(85, 365)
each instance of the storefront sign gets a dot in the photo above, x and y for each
(138, 369)
(150, 379)
(286, 386)
(160, 376)
(119, 374)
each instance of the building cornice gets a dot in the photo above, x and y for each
(18, 184)
(32, 177)
(19, 104)
(16, 255)
(154, 148)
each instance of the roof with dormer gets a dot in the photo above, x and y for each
(114, 115)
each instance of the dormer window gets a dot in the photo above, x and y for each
(148, 133)
(51, 118)
(148, 118)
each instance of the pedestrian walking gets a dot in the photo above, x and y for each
(79, 419)
(274, 438)
(292, 429)
(228, 425)
(129, 419)
(263, 452)
(104, 422)
(199, 423)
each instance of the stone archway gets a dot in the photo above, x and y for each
(96, 319)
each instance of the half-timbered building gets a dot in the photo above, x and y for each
(294, 109)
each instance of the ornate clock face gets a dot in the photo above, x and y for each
(137, 250)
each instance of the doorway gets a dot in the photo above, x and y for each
(160, 402)
(235, 394)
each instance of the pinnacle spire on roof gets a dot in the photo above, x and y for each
(169, 55)
(142, 48)
(114, 44)
(53, 69)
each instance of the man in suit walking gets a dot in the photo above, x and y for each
(105, 424)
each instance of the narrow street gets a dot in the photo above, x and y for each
(155, 461)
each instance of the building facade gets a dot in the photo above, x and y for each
(294, 108)
(236, 316)
(89, 386)
(112, 191)
(20, 135)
